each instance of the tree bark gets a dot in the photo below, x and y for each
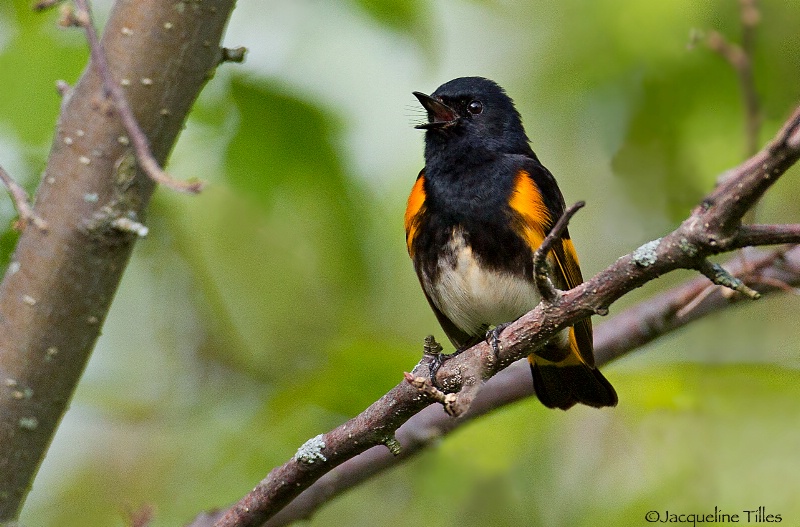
(60, 283)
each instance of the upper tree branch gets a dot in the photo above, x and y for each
(59, 285)
(741, 60)
(712, 228)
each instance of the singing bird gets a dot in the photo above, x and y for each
(477, 212)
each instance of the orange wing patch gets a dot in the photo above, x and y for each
(568, 271)
(414, 210)
(576, 352)
(526, 200)
(567, 260)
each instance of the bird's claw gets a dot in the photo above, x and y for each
(493, 337)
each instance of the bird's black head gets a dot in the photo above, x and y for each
(476, 112)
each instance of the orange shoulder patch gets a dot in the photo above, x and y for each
(526, 201)
(414, 209)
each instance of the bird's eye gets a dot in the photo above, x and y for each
(475, 107)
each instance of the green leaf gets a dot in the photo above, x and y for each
(358, 371)
(283, 159)
(409, 17)
(36, 55)
(401, 15)
(8, 241)
(276, 253)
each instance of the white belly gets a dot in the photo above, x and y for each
(474, 298)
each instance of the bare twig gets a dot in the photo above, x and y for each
(541, 270)
(426, 388)
(718, 275)
(692, 304)
(41, 5)
(20, 199)
(745, 184)
(750, 235)
(750, 16)
(665, 312)
(741, 60)
(63, 88)
(144, 156)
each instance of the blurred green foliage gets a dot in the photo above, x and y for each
(280, 301)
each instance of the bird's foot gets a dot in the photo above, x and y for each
(493, 337)
(433, 350)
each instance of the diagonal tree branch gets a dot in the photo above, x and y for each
(20, 199)
(629, 330)
(767, 272)
(83, 18)
(60, 283)
(712, 228)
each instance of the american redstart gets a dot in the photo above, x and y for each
(477, 213)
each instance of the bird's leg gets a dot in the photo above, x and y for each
(433, 349)
(493, 337)
(435, 364)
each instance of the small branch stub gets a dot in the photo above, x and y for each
(717, 274)
(63, 88)
(541, 269)
(233, 54)
(20, 199)
(433, 393)
(126, 224)
(42, 5)
(393, 445)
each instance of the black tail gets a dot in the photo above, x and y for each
(562, 387)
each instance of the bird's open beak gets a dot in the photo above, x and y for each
(439, 114)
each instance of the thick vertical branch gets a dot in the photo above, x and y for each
(60, 283)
